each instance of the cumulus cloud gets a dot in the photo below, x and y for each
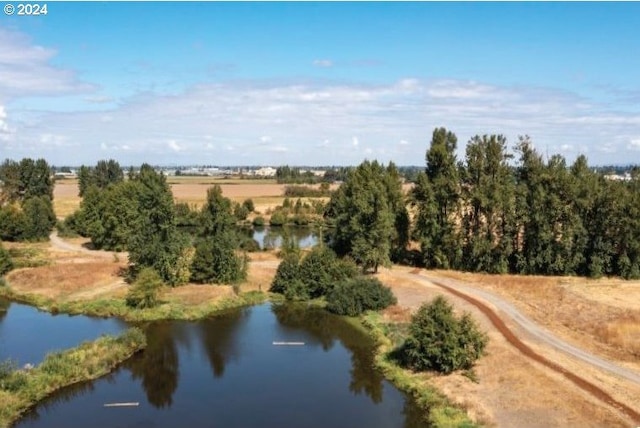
(265, 139)
(355, 141)
(634, 144)
(173, 145)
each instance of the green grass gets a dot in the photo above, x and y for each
(439, 410)
(21, 389)
(119, 308)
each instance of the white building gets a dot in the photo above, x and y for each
(266, 172)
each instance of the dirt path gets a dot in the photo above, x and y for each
(60, 244)
(466, 293)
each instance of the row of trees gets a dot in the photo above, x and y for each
(495, 211)
(26, 195)
(138, 215)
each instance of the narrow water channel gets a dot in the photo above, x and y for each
(226, 372)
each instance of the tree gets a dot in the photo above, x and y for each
(440, 341)
(215, 261)
(155, 241)
(105, 172)
(39, 218)
(362, 210)
(441, 188)
(144, 291)
(288, 277)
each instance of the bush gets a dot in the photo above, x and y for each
(258, 221)
(248, 204)
(440, 341)
(240, 212)
(278, 218)
(287, 273)
(6, 264)
(321, 270)
(144, 291)
(353, 297)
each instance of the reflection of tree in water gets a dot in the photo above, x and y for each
(414, 416)
(157, 366)
(325, 328)
(4, 307)
(219, 337)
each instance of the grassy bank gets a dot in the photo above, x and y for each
(440, 411)
(22, 389)
(112, 307)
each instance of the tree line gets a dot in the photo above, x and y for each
(495, 211)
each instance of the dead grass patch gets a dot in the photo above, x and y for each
(195, 294)
(586, 312)
(65, 281)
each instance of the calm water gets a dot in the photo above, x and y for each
(226, 372)
(27, 335)
(271, 237)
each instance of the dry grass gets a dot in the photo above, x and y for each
(195, 294)
(68, 281)
(602, 316)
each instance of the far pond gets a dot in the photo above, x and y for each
(221, 372)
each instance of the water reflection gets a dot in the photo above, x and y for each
(325, 329)
(272, 237)
(4, 307)
(191, 371)
(157, 366)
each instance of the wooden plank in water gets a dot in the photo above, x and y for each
(288, 343)
(132, 404)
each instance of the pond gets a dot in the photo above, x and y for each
(226, 372)
(271, 237)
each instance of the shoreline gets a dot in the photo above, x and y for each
(21, 390)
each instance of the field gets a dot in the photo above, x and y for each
(266, 194)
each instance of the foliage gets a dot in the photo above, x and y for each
(215, 261)
(25, 179)
(39, 218)
(440, 341)
(248, 204)
(154, 240)
(6, 263)
(21, 389)
(306, 191)
(353, 297)
(312, 277)
(364, 210)
(105, 172)
(258, 221)
(278, 218)
(144, 291)
(240, 212)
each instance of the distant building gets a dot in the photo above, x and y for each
(266, 172)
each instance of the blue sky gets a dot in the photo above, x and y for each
(316, 83)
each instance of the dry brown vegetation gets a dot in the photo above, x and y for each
(602, 316)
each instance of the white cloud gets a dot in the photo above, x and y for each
(265, 139)
(26, 70)
(278, 149)
(323, 63)
(173, 145)
(355, 141)
(634, 144)
(403, 143)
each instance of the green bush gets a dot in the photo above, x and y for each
(216, 261)
(278, 218)
(6, 264)
(287, 273)
(144, 291)
(248, 204)
(440, 341)
(353, 297)
(258, 221)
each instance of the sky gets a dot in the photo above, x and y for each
(302, 83)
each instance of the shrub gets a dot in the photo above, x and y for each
(248, 204)
(353, 297)
(278, 218)
(144, 291)
(240, 212)
(258, 221)
(321, 270)
(6, 264)
(287, 273)
(440, 341)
